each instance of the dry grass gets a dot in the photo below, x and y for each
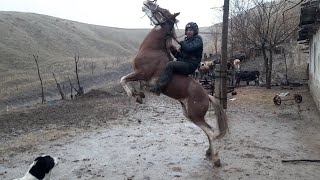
(56, 41)
(21, 87)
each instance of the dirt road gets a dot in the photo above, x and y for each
(105, 136)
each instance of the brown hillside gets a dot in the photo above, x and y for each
(55, 41)
(24, 34)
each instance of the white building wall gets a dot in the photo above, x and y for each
(314, 68)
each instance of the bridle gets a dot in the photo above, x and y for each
(154, 11)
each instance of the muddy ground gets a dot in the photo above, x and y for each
(106, 135)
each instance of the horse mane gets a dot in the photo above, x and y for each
(171, 36)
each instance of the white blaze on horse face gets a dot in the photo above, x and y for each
(150, 15)
(151, 5)
(147, 11)
(150, 8)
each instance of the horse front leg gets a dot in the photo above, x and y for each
(131, 91)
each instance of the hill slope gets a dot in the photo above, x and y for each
(55, 41)
(24, 34)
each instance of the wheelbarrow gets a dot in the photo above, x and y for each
(278, 98)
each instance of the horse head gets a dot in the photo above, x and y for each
(164, 21)
(158, 15)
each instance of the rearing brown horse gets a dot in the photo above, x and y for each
(151, 60)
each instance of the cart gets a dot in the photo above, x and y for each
(278, 98)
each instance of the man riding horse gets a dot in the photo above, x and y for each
(154, 60)
(188, 57)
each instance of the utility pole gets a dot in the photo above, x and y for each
(224, 54)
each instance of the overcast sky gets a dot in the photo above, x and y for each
(117, 13)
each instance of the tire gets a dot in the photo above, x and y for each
(297, 98)
(277, 100)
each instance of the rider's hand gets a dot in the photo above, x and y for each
(174, 51)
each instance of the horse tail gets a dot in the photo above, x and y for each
(222, 120)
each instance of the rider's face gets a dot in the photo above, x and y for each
(189, 32)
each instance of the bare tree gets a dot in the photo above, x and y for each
(72, 88)
(42, 92)
(263, 25)
(215, 32)
(93, 66)
(105, 63)
(59, 87)
(80, 88)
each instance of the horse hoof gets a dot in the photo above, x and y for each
(142, 95)
(217, 163)
(139, 100)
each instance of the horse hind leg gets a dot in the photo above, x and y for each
(210, 153)
(131, 91)
(200, 122)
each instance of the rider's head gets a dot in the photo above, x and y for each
(191, 29)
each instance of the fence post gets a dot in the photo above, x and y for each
(217, 82)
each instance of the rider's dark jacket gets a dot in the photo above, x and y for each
(190, 51)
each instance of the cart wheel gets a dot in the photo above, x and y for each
(277, 100)
(298, 98)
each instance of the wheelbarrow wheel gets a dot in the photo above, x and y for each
(277, 100)
(298, 98)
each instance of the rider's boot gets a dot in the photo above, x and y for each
(157, 88)
(161, 84)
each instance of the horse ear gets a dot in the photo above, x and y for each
(176, 14)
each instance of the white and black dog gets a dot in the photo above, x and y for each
(40, 168)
